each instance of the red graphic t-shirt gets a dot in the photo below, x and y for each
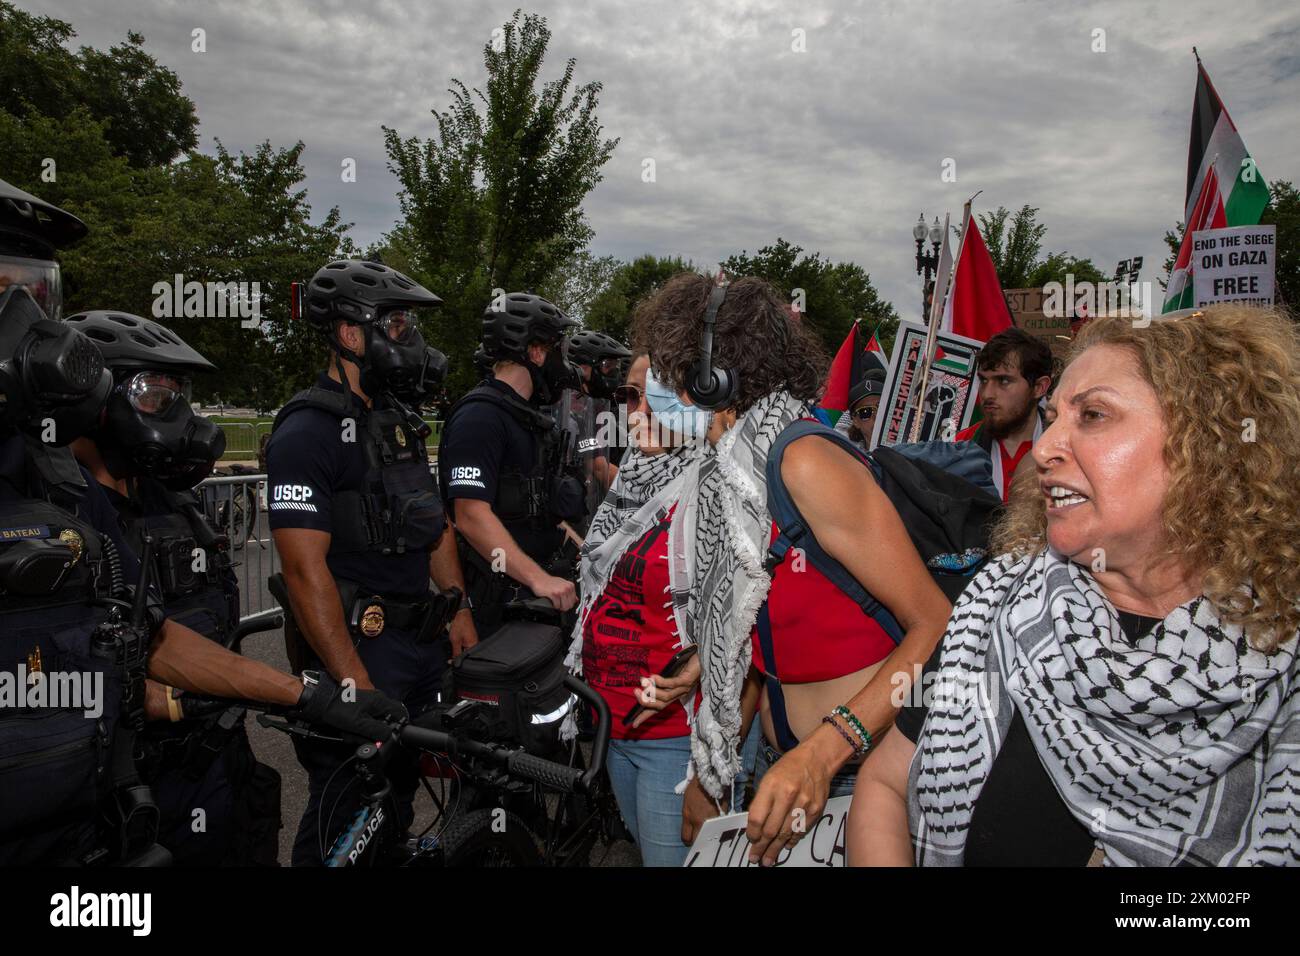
(630, 633)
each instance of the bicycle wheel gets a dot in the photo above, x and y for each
(489, 837)
(242, 517)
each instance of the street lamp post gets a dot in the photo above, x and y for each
(926, 264)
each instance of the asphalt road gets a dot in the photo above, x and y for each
(255, 562)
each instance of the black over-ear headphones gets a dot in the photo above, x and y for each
(711, 388)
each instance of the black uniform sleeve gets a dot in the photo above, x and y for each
(912, 715)
(303, 465)
(472, 452)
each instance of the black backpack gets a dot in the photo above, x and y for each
(947, 516)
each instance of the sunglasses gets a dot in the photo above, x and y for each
(628, 395)
(154, 393)
(865, 414)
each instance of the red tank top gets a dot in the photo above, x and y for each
(630, 633)
(818, 631)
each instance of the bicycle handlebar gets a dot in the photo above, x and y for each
(515, 760)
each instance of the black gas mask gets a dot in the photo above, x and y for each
(148, 428)
(52, 377)
(396, 359)
(553, 376)
(40, 277)
(605, 378)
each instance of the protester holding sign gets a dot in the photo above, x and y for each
(1125, 674)
(838, 666)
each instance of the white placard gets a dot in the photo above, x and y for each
(951, 398)
(1236, 264)
(722, 840)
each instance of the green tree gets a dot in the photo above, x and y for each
(834, 294)
(1015, 244)
(210, 219)
(611, 309)
(1057, 266)
(493, 200)
(577, 283)
(1013, 247)
(1282, 211)
(144, 116)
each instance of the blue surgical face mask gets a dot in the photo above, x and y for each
(672, 413)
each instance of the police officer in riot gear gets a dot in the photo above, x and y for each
(72, 662)
(359, 525)
(599, 360)
(499, 458)
(148, 452)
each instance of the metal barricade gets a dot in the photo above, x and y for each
(236, 506)
(241, 440)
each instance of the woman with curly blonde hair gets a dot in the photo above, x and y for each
(1124, 676)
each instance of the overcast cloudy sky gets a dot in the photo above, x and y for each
(836, 148)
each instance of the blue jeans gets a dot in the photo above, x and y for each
(645, 774)
(841, 784)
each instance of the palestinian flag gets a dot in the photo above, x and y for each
(852, 361)
(1208, 213)
(1224, 187)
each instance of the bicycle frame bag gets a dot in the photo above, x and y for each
(518, 675)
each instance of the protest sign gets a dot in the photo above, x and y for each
(1235, 264)
(1028, 312)
(722, 840)
(950, 399)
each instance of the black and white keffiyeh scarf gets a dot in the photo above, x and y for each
(645, 488)
(1182, 748)
(719, 537)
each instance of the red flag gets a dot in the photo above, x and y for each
(840, 379)
(976, 307)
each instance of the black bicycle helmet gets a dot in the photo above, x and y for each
(355, 290)
(31, 227)
(523, 318)
(132, 342)
(587, 347)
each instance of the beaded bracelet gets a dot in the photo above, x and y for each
(830, 719)
(855, 725)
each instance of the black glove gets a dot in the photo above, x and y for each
(369, 714)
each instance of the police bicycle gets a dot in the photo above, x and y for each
(496, 803)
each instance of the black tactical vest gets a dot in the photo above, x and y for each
(397, 508)
(54, 761)
(192, 565)
(520, 497)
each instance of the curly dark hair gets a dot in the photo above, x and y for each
(755, 335)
